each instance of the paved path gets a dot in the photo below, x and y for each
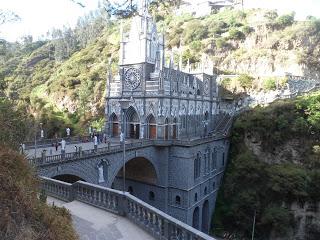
(70, 147)
(92, 223)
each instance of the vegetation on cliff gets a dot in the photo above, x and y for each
(259, 180)
(62, 81)
(23, 215)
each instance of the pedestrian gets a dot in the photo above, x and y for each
(56, 145)
(95, 142)
(105, 137)
(68, 131)
(63, 145)
(76, 150)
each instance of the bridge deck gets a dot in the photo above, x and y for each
(92, 223)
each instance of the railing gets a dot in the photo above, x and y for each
(45, 160)
(159, 224)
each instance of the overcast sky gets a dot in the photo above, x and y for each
(39, 16)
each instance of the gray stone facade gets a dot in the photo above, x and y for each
(168, 170)
(181, 171)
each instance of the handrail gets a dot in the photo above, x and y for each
(45, 160)
(157, 223)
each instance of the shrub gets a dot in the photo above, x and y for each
(285, 20)
(236, 34)
(245, 81)
(270, 84)
(226, 82)
(271, 15)
(246, 30)
(194, 31)
(220, 43)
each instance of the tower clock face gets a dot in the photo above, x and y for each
(132, 78)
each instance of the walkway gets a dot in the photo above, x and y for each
(92, 223)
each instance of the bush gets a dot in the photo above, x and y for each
(285, 20)
(271, 15)
(270, 84)
(220, 43)
(236, 34)
(24, 216)
(245, 81)
(194, 31)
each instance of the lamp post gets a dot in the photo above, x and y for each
(124, 104)
(35, 140)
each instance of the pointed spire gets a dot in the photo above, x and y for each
(121, 31)
(180, 61)
(171, 63)
(143, 7)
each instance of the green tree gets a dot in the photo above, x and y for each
(245, 81)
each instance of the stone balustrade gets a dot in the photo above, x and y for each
(159, 224)
(84, 154)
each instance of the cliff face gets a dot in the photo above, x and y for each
(71, 90)
(269, 51)
(274, 171)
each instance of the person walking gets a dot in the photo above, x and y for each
(95, 142)
(68, 132)
(56, 145)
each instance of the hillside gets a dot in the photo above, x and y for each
(274, 170)
(23, 214)
(62, 81)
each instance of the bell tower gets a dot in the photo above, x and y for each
(141, 50)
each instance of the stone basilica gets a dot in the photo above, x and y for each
(167, 103)
(180, 174)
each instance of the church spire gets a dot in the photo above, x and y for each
(143, 7)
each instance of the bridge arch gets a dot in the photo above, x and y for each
(205, 217)
(69, 178)
(138, 169)
(195, 218)
(81, 173)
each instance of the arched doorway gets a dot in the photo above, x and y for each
(68, 178)
(195, 218)
(205, 217)
(114, 122)
(133, 123)
(174, 129)
(166, 129)
(152, 128)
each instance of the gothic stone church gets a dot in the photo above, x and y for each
(167, 104)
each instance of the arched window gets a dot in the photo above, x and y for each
(178, 200)
(205, 191)
(197, 166)
(214, 159)
(195, 197)
(151, 196)
(130, 190)
(222, 159)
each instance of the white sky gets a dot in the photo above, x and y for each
(39, 16)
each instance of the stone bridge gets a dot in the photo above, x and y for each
(179, 177)
(157, 223)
